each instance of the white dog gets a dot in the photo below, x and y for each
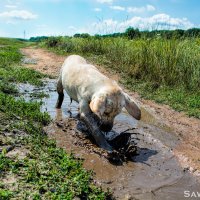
(96, 94)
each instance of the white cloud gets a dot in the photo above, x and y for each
(150, 8)
(117, 8)
(97, 9)
(136, 9)
(18, 14)
(10, 6)
(159, 21)
(105, 1)
(141, 9)
(104, 27)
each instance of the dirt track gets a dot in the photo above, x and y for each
(167, 139)
(187, 129)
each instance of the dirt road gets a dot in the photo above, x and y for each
(167, 140)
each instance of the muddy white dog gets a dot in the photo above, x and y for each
(96, 94)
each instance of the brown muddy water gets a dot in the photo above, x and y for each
(154, 173)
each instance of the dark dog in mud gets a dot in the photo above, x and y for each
(100, 99)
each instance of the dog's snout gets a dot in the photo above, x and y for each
(106, 127)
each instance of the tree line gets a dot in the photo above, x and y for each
(132, 33)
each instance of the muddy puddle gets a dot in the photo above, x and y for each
(154, 173)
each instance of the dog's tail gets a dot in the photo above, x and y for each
(60, 91)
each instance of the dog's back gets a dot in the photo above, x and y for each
(74, 59)
(81, 79)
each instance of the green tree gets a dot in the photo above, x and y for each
(132, 33)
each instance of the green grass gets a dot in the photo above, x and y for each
(10, 71)
(46, 172)
(9, 55)
(167, 71)
(24, 110)
(178, 98)
(9, 51)
(5, 194)
(12, 42)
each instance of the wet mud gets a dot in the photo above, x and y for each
(153, 173)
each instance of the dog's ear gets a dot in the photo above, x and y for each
(132, 108)
(97, 105)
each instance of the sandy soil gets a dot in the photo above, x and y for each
(187, 129)
(47, 62)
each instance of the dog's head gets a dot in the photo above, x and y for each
(108, 103)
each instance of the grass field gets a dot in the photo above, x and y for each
(165, 70)
(46, 172)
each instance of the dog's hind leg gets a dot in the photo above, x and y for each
(60, 93)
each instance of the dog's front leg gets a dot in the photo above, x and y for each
(88, 118)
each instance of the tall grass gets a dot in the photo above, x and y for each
(160, 69)
(161, 61)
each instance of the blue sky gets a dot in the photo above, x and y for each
(67, 17)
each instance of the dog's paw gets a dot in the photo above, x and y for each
(122, 140)
(114, 157)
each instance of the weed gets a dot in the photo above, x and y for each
(8, 88)
(39, 95)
